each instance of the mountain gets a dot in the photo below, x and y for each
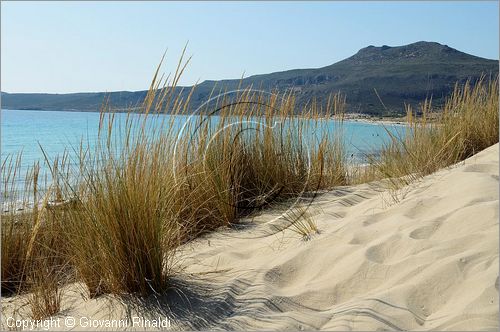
(394, 75)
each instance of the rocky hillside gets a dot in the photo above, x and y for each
(394, 75)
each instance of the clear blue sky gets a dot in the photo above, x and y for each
(89, 46)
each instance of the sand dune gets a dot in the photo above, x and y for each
(422, 258)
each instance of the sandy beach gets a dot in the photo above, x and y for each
(422, 258)
(368, 119)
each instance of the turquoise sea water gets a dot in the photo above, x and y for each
(24, 130)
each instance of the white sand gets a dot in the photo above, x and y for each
(425, 258)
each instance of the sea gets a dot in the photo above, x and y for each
(41, 135)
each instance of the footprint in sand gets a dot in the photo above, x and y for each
(370, 220)
(425, 232)
(482, 168)
(387, 252)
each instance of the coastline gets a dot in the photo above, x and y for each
(354, 117)
(378, 120)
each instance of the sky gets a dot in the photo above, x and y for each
(63, 47)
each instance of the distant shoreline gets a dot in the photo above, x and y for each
(354, 117)
(369, 119)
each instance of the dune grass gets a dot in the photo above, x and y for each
(467, 124)
(18, 225)
(299, 220)
(164, 187)
(34, 259)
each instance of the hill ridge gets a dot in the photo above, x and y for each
(401, 75)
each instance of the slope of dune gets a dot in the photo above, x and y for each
(423, 258)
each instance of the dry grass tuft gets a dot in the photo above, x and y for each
(166, 186)
(44, 299)
(467, 124)
(300, 221)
